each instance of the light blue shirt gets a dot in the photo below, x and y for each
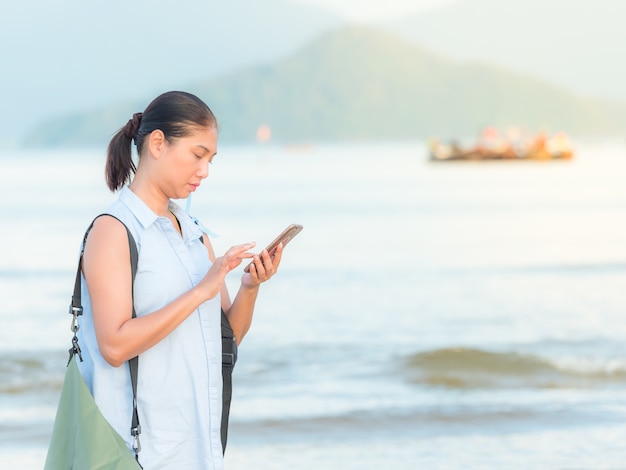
(179, 387)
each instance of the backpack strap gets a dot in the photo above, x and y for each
(76, 310)
(229, 358)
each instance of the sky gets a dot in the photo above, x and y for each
(75, 55)
(371, 10)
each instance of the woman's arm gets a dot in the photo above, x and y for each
(241, 310)
(106, 266)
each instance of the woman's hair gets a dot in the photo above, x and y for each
(176, 113)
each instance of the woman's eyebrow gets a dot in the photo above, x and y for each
(206, 150)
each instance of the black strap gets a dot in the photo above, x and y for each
(133, 363)
(76, 310)
(229, 358)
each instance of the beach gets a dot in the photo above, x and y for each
(448, 315)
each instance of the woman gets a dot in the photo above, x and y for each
(177, 293)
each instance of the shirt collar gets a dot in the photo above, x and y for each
(139, 209)
(190, 230)
(146, 216)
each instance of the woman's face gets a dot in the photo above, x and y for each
(185, 162)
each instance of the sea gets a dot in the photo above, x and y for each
(431, 315)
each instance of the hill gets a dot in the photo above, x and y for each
(575, 44)
(69, 55)
(362, 84)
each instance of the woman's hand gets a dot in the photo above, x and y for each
(214, 278)
(262, 268)
(240, 312)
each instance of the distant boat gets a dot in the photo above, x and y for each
(452, 153)
(540, 148)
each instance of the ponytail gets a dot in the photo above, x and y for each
(120, 163)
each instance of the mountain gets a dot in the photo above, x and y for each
(362, 84)
(572, 43)
(68, 55)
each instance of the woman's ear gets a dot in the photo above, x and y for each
(157, 142)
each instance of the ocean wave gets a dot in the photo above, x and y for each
(17, 273)
(425, 421)
(463, 367)
(22, 373)
(591, 268)
(575, 268)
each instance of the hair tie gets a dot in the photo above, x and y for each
(132, 126)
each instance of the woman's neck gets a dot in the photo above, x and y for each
(152, 197)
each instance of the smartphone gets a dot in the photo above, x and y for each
(285, 237)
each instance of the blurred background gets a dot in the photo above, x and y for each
(456, 297)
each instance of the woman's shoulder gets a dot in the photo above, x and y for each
(108, 229)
